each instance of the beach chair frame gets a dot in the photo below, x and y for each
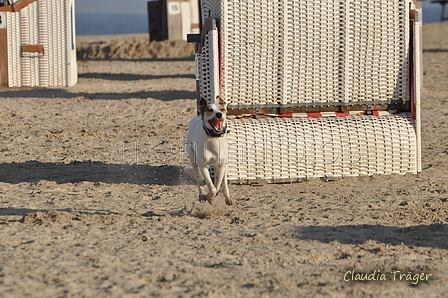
(328, 89)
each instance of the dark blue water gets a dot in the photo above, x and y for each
(121, 23)
(110, 23)
(432, 12)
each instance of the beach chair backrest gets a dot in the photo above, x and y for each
(291, 54)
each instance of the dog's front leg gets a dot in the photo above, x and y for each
(208, 181)
(200, 182)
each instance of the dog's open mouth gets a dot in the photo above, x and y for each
(216, 123)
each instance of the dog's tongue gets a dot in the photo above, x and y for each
(216, 123)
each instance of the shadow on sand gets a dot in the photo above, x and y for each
(434, 235)
(75, 172)
(166, 95)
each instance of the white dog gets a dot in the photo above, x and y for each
(207, 146)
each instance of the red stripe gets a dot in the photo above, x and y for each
(314, 114)
(341, 114)
(285, 115)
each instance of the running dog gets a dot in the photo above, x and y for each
(207, 146)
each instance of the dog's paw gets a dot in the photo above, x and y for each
(211, 200)
(229, 201)
(211, 197)
(202, 198)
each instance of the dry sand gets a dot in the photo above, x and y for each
(93, 202)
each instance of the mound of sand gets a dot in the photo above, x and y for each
(131, 47)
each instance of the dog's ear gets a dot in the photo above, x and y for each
(202, 102)
(221, 102)
(201, 106)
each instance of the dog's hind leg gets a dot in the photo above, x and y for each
(200, 182)
(202, 192)
(190, 171)
(225, 190)
(208, 181)
(221, 180)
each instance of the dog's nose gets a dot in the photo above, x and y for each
(218, 115)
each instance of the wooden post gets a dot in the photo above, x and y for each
(3, 58)
(443, 11)
(153, 20)
(174, 15)
(157, 20)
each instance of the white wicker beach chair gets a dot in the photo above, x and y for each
(314, 88)
(37, 43)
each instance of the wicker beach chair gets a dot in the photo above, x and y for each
(314, 88)
(37, 43)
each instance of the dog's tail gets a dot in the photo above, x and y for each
(190, 171)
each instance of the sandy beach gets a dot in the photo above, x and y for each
(94, 202)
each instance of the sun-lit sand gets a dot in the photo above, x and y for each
(93, 201)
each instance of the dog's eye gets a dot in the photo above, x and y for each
(210, 110)
(222, 110)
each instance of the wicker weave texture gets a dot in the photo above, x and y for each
(43, 22)
(208, 66)
(297, 51)
(290, 149)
